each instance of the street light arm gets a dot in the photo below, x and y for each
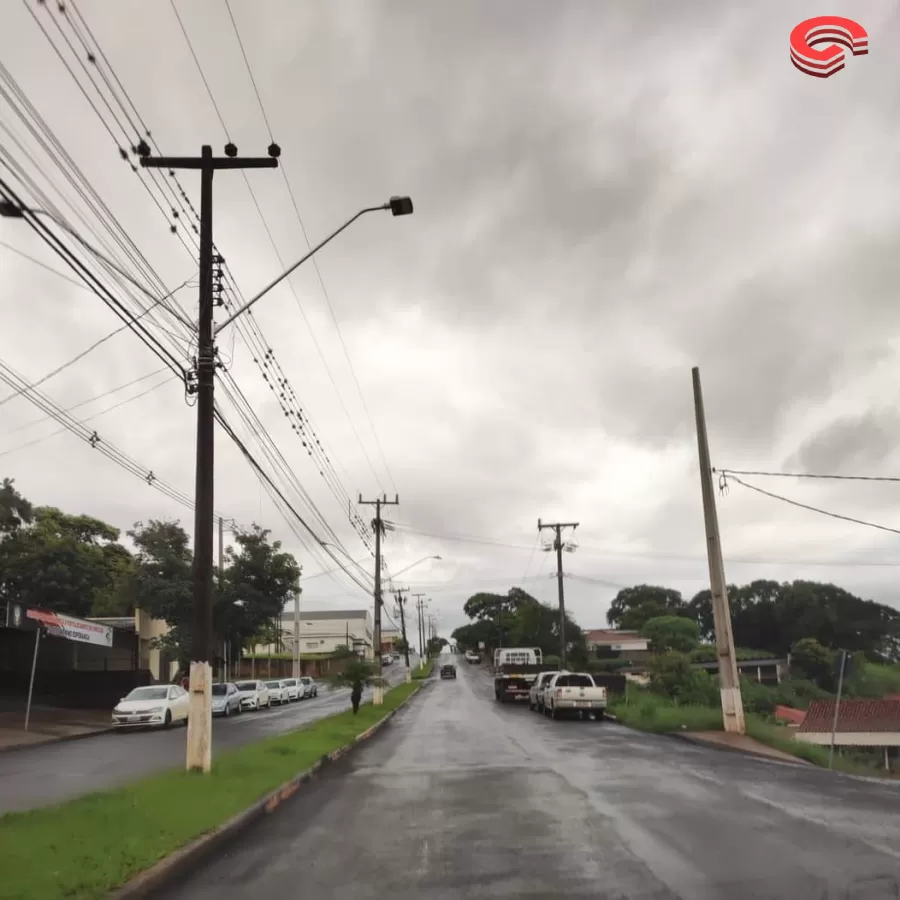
(407, 568)
(241, 310)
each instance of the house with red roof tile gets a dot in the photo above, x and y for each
(860, 723)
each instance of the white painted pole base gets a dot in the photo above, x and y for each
(199, 731)
(408, 675)
(378, 695)
(733, 710)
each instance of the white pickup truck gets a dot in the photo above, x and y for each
(574, 693)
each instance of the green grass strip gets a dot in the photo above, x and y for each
(82, 849)
(650, 712)
(423, 671)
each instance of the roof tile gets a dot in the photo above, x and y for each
(854, 715)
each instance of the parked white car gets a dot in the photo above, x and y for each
(536, 691)
(153, 706)
(574, 692)
(254, 695)
(291, 688)
(277, 693)
(310, 688)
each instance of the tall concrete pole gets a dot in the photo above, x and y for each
(199, 736)
(729, 684)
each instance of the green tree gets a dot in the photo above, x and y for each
(810, 659)
(672, 633)
(161, 581)
(633, 607)
(260, 579)
(435, 645)
(536, 624)
(671, 674)
(468, 637)
(356, 675)
(15, 510)
(773, 617)
(58, 561)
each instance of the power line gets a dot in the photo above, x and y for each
(890, 478)
(90, 418)
(92, 399)
(815, 509)
(268, 481)
(212, 98)
(16, 381)
(318, 272)
(43, 265)
(85, 352)
(92, 282)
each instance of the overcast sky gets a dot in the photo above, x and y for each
(606, 195)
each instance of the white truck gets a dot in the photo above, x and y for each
(574, 693)
(515, 669)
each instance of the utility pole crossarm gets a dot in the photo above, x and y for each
(215, 162)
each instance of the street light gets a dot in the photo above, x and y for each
(200, 730)
(412, 565)
(399, 206)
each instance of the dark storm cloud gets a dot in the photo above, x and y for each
(606, 195)
(860, 442)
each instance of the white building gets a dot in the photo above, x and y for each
(324, 630)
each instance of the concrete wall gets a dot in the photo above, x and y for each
(323, 635)
(152, 659)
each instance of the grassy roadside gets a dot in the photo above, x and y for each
(84, 848)
(423, 671)
(649, 712)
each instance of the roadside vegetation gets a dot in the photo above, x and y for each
(423, 670)
(82, 849)
(679, 698)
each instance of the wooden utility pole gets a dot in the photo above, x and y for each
(558, 547)
(378, 525)
(401, 604)
(199, 736)
(729, 685)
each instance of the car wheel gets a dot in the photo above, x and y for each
(227, 710)
(167, 722)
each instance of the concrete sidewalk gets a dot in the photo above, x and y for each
(48, 724)
(742, 742)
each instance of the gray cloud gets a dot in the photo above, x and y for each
(606, 195)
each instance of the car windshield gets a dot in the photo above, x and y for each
(306, 680)
(148, 693)
(288, 682)
(246, 685)
(219, 690)
(273, 684)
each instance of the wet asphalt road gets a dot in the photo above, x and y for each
(52, 773)
(460, 797)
